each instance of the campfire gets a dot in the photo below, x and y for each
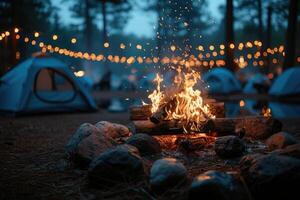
(182, 108)
(180, 102)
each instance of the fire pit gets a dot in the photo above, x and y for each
(182, 146)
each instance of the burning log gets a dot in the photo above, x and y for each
(256, 127)
(164, 127)
(194, 141)
(143, 112)
(161, 113)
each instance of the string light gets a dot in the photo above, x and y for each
(16, 30)
(73, 40)
(192, 60)
(106, 44)
(54, 37)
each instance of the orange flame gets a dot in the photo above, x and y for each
(157, 95)
(188, 107)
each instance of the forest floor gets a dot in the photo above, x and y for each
(32, 164)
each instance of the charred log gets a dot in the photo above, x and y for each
(143, 112)
(189, 142)
(255, 127)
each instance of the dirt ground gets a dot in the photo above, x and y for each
(32, 155)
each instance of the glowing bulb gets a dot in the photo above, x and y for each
(173, 48)
(139, 46)
(231, 46)
(242, 103)
(16, 30)
(122, 46)
(106, 44)
(73, 40)
(7, 33)
(36, 34)
(54, 37)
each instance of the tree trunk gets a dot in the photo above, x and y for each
(104, 21)
(261, 35)
(159, 29)
(229, 36)
(291, 36)
(269, 34)
(260, 21)
(88, 25)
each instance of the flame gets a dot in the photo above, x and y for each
(266, 112)
(157, 95)
(186, 105)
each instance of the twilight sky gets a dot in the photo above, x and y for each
(141, 23)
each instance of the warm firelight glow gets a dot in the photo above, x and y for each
(266, 112)
(182, 102)
(242, 103)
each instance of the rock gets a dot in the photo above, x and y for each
(280, 140)
(217, 186)
(113, 130)
(271, 176)
(291, 150)
(229, 146)
(166, 174)
(121, 164)
(87, 143)
(146, 144)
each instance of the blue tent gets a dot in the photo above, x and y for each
(256, 83)
(288, 83)
(221, 81)
(284, 110)
(43, 84)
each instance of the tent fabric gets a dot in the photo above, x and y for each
(258, 79)
(25, 89)
(288, 83)
(221, 81)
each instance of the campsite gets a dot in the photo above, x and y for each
(150, 100)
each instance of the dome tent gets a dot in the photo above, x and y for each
(287, 84)
(221, 81)
(43, 84)
(258, 83)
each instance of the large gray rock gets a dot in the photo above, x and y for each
(87, 143)
(121, 164)
(146, 144)
(166, 174)
(229, 146)
(217, 185)
(271, 176)
(291, 150)
(280, 140)
(113, 130)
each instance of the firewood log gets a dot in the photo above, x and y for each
(143, 112)
(161, 113)
(255, 127)
(195, 141)
(164, 127)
